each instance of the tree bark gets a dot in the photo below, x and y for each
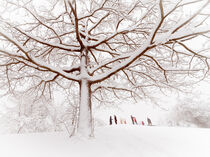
(85, 120)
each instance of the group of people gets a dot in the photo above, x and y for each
(123, 121)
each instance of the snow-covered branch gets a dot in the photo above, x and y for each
(48, 43)
(33, 60)
(192, 17)
(123, 64)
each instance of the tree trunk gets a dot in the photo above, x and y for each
(85, 122)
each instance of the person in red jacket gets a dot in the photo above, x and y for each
(142, 122)
(134, 120)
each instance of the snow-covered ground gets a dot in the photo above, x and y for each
(111, 141)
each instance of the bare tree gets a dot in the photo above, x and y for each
(98, 47)
(39, 116)
(189, 111)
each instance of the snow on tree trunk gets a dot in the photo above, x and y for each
(85, 122)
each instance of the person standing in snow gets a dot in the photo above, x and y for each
(132, 119)
(142, 122)
(115, 119)
(122, 121)
(149, 122)
(110, 120)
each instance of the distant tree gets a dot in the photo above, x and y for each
(97, 48)
(26, 115)
(190, 112)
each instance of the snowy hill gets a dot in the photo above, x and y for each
(111, 141)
